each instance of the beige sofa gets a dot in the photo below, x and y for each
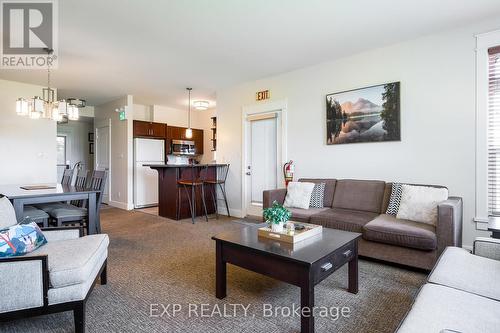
(462, 294)
(360, 206)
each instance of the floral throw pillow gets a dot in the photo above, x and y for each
(20, 239)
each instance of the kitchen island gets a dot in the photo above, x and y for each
(168, 194)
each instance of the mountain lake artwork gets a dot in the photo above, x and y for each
(369, 114)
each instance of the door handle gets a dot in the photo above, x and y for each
(248, 173)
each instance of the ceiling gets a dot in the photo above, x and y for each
(154, 49)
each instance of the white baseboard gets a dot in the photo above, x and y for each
(233, 212)
(121, 205)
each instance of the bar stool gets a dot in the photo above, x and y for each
(219, 178)
(190, 177)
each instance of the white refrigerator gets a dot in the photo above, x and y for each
(147, 151)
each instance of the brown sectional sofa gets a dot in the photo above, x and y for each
(360, 205)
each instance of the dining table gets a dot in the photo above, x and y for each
(21, 195)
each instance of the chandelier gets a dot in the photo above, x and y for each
(46, 107)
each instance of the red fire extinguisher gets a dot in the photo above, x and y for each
(288, 170)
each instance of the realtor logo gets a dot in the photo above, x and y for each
(29, 29)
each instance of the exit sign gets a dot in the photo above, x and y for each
(262, 95)
(123, 115)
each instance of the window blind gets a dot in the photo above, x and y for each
(494, 131)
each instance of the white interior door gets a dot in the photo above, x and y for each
(102, 155)
(262, 160)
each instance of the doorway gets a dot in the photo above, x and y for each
(102, 154)
(264, 153)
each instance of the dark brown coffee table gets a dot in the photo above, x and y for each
(303, 264)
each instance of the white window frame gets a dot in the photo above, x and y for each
(483, 43)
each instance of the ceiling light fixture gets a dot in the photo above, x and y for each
(201, 105)
(189, 131)
(47, 107)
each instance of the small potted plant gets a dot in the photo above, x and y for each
(277, 215)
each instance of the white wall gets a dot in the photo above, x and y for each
(27, 147)
(176, 117)
(437, 117)
(77, 144)
(121, 191)
(143, 112)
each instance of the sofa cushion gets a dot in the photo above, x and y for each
(365, 195)
(7, 214)
(329, 188)
(298, 195)
(318, 196)
(459, 269)
(21, 239)
(438, 308)
(343, 219)
(390, 230)
(420, 203)
(395, 199)
(304, 215)
(72, 261)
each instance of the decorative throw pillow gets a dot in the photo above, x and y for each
(20, 239)
(419, 203)
(318, 196)
(7, 214)
(395, 199)
(298, 195)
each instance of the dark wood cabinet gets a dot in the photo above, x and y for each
(198, 140)
(179, 133)
(149, 129)
(158, 130)
(141, 128)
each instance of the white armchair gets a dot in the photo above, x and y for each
(56, 277)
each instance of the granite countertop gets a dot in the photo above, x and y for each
(182, 165)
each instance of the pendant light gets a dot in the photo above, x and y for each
(47, 107)
(189, 131)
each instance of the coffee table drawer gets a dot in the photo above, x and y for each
(326, 266)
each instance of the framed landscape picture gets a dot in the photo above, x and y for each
(369, 114)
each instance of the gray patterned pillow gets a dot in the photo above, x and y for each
(318, 196)
(395, 200)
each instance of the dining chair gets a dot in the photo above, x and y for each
(81, 179)
(218, 178)
(38, 213)
(191, 179)
(72, 214)
(67, 176)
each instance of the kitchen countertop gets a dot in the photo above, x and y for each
(182, 165)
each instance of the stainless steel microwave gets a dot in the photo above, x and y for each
(182, 147)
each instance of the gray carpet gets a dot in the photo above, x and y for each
(154, 260)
